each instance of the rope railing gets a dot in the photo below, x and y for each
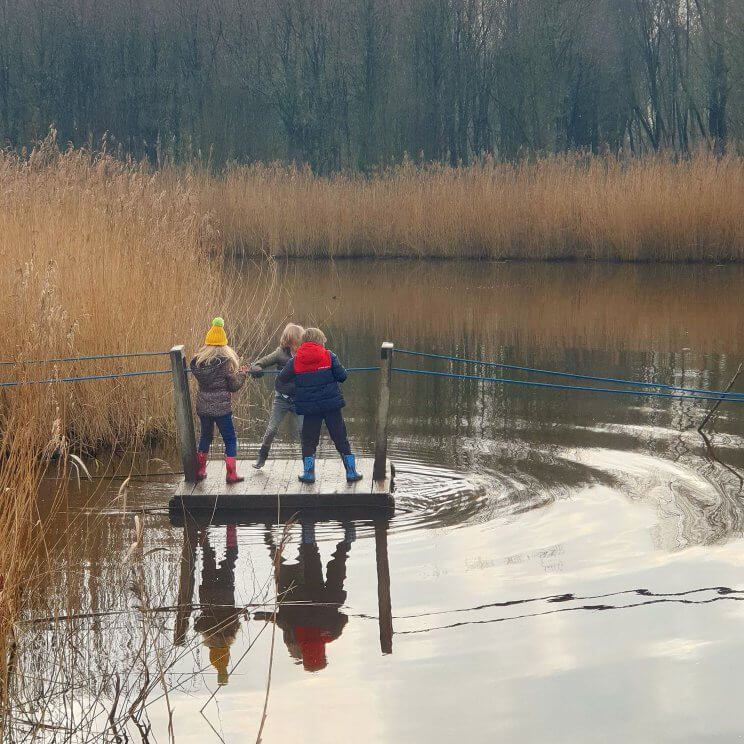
(86, 377)
(580, 388)
(348, 369)
(86, 358)
(576, 376)
(675, 392)
(136, 374)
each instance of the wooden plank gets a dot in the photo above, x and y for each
(384, 605)
(276, 477)
(294, 501)
(383, 406)
(277, 484)
(184, 417)
(203, 517)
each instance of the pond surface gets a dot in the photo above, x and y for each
(563, 566)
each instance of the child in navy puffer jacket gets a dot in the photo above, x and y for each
(317, 373)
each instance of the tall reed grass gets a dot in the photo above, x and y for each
(563, 207)
(98, 256)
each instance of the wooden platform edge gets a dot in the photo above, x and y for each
(265, 493)
(237, 502)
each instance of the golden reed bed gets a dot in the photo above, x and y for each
(556, 208)
(97, 256)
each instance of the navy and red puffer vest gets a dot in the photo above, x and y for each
(317, 374)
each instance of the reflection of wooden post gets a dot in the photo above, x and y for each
(383, 404)
(384, 606)
(184, 417)
(186, 581)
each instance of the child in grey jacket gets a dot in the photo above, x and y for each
(284, 392)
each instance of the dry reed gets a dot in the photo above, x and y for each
(99, 257)
(563, 207)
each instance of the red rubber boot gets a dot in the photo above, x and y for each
(232, 473)
(201, 465)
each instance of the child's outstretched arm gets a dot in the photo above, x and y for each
(337, 368)
(269, 360)
(288, 372)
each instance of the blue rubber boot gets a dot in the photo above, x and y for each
(309, 475)
(351, 471)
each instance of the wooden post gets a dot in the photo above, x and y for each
(384, 605)
(184, 417)
(383, 404)
(186, 580)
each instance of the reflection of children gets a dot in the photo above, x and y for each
(219, 374)
(316, 373)
(309, 610)
(218, 622)
(284, 391)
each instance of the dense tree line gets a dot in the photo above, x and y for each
(360, 83)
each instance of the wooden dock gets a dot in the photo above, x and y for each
(275, 486)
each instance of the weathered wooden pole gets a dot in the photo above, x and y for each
(186, 580)
(383, 404)
(384, 604)
(184, 417)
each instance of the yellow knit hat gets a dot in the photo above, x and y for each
(220, 658)
(216, 335)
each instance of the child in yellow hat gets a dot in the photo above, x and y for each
(218, 373)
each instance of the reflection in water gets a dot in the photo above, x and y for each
(310, 606)
(309, 603)
(522, 517)
(474, 615)
(218, 621)
(472, 453)
(575, 308)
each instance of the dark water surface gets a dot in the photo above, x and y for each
(563, 566)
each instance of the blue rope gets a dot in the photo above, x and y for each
(550, 386)
(88, 358)
(348, 369)
(80, 379)
(612, 380)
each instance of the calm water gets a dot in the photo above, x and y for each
(562, 566)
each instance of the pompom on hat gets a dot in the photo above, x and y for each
(216, 335)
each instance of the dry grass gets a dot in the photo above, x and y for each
(98, 256)
(104, 257)
(556, 208)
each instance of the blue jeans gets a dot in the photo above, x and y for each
(225, 425)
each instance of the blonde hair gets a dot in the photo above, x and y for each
(291, 336)
(314, 336)
(207, 353)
